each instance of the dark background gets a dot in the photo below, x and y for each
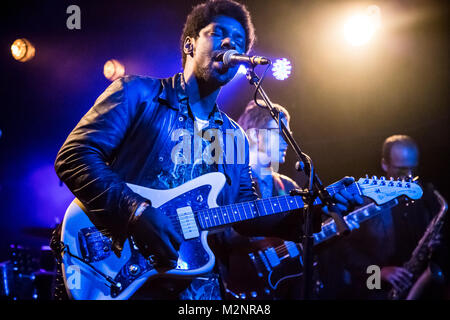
(344, 101)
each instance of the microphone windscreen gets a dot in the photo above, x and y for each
(227, 57)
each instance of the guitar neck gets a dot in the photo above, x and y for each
(329, 229)
(220, 216)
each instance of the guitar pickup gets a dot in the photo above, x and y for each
(272, 256)
(187, 222)
(292, 249)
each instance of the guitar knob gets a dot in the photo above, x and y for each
(383, 178)
(133, 269)
(374, 177)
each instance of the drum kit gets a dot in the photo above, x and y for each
(29, 272)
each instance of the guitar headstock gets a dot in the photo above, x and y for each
(382, 190)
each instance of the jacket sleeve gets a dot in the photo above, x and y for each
(83, 161)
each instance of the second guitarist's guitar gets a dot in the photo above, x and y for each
(274, 261)
(92, 271)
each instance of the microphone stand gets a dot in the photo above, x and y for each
(315, 189)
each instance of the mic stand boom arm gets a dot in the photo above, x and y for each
(315, 189)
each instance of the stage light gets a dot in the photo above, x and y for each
(281, 69)
(22, 50)
(113, 70)
(360, 28)
(242, 69)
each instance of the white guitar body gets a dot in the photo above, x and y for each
(84, 283)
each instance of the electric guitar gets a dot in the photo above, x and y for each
(92, 271)
(276, 261)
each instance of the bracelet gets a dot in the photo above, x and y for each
(141, 209)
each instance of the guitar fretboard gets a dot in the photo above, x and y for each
(353, 220)
(219, 216)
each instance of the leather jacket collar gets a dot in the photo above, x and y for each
(174, 95)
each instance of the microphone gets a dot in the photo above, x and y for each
(231, 58)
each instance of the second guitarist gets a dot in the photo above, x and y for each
(267, 151)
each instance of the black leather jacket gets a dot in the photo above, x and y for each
(127, 137)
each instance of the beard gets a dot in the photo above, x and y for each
(213, 75)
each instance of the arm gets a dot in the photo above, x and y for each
(82, 162)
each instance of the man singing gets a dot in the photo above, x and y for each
(132, 134)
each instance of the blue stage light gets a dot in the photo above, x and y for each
(242, 69)
(281, 69)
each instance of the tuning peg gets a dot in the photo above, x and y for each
(382, 178)
(367, 179)
(374, 177)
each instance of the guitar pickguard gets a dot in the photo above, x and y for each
(94, 246)
(192, 255)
